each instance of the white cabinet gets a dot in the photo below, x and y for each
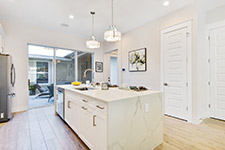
(101, 125)
(87, 118)
(68, 111)
(88, 129)
(72, 114)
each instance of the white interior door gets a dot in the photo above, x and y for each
(175, 52)
(217, 72)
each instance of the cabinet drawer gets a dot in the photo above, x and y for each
(84, 100)
(94, 104)
(101, 107)
(72, 96)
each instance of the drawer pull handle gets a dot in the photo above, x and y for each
(84, 108)
(100, 107)
(85, 101)
(94, 120)
(69, 104)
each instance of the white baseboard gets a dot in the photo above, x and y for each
(200, 119)
(196, 121)
(19, 109)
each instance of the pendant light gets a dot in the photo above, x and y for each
(92, 43)
(112, 35)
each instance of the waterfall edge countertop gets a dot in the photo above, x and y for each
(113, 94)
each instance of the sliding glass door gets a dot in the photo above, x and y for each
(65, 66)
(49, 66)
(84, 62)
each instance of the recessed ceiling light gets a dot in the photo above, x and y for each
(71, 17)
(166, 3)
(64, 25)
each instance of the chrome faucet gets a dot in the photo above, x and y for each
(85, 72)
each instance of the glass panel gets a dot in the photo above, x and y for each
(41, 76)
(42, 72)
(65, 66)
(84, 63)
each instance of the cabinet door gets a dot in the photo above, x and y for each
(101, 125)
(75, 116)
(88, 129)
(68, 111)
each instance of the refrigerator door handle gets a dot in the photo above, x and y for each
(12, 94)
(13, 75)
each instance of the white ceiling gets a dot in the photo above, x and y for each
(49, 14)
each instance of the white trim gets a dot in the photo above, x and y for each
(210, 27)
(187, 25)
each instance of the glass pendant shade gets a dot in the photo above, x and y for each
(92, 43)
(112, 35)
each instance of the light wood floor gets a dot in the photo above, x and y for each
(180, 135)
(41, 129)
(38, 129)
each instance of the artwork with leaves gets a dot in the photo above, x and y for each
(137, 60)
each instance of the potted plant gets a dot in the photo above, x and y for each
(32, 89)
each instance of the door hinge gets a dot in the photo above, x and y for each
(208, 60)
(187, 108)
(209, 83)
(187, 34)
(186, 84)
(209, 38)
(209, 106)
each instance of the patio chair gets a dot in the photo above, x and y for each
(43, 91)
(51, 91)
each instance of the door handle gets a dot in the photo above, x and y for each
(84, 108)
(100, 107)
(69, 104)
(94, 120)
(165, 84)
(12, 94)
(84, 100)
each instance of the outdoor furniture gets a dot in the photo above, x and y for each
(43, 91)
(51, 91)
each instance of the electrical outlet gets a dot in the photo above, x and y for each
(146, 108)
(2, 115)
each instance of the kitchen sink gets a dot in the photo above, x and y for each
(84, 89)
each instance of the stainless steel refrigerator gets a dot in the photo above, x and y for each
(7, 81)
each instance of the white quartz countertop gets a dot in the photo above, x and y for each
(113, 94)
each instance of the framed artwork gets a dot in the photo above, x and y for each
(98, 66)
(137, 60)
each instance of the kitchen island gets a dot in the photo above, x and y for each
(114, 119)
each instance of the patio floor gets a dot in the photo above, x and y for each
(40, 102)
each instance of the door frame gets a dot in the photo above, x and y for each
(188, 25)
(107, 56)
(208, 29)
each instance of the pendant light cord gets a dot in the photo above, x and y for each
(93, 13)
(112, 14)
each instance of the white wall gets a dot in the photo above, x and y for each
(17, 37)
(148, 36)
(215, 15)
